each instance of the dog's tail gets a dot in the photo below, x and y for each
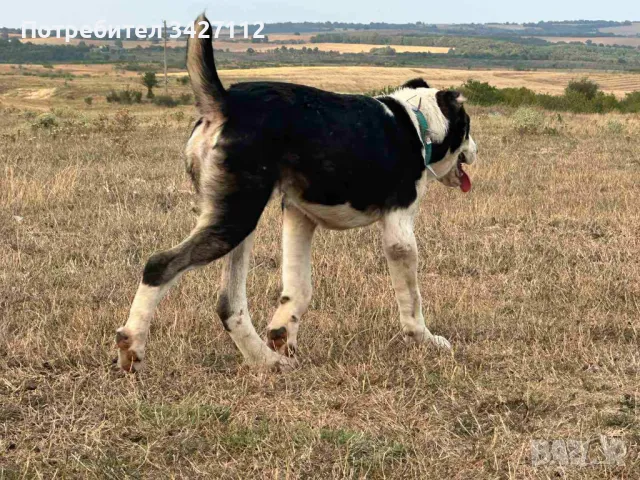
(207, 87)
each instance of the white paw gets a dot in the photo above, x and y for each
(425, 337)
(271, 360)
(284, 364)
(440, 342)
(130, 351)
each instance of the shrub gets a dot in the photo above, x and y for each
(178, 116)
(150, 81)
(88, 100)
(481, 93)
(165, 101)
(615, 127)
(604, 103)
(577, 102)
(631, 103)
(183, 80)
(45, 120)
(124, 121)
(528, 120)
(585, 87)
(126, 97)
(517, 97)
(551, 102)
(169, 101)
(382, 51)
(580, 96)
(61, 112)
(112, 97)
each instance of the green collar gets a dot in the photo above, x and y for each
(426, 141)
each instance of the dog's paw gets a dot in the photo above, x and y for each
(270, 360)
(130, 351)
(427, 338)
(284, 364)
(279, 341)
(440, 342)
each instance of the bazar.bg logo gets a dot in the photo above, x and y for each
(173, 30)
(578, 453)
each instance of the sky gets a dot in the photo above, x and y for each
(150, 12)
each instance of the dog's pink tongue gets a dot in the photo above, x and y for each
(465, 181)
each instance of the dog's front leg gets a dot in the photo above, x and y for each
(297, 233)
(233, 310)
(401, 251)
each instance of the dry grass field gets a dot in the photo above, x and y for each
(630, 30)
(96, 80)
(534, 276)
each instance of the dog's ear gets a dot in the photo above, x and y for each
(416, 83)
(450, 101)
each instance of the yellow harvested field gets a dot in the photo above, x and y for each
(362, 79)
(360, 48)
(631, 30)
(327, 47)
(290, 36)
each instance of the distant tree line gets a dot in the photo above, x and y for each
(465, 52)
(497, 48)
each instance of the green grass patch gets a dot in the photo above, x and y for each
(363, 451)
(182, 415)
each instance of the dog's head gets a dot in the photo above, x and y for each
(449, 130)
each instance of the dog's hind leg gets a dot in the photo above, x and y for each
(401, 251)
(231, 210)
(233, 310)
(297, 233)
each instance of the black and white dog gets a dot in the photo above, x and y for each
(340, 161)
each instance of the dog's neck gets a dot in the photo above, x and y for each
(425, 99)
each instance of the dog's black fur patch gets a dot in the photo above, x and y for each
(459, 123)
(223, 309)
(284, 299)
(334, 149)
(416, 83)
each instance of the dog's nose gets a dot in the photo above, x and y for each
(462, 158)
